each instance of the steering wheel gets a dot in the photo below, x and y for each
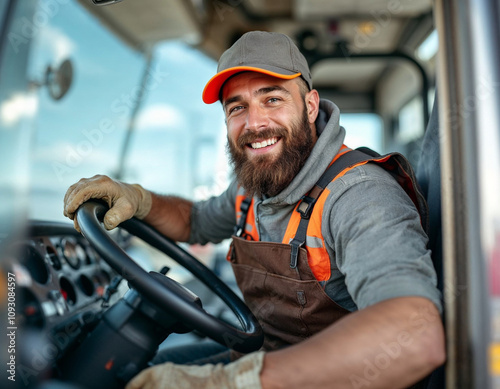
(166, 294)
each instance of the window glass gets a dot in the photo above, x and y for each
(428, 48)
(362, 129)
(82, 133)
(18, 107)
(178, 146)
(411, 121)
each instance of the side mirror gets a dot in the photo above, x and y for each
(59, 80)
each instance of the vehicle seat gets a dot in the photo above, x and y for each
(429, 178)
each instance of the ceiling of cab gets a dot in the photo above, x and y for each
(320, 27)
(143, 23)
(339, 8)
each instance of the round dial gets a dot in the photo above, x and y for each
(73, 253)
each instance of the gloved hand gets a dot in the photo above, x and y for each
(242, 374)
(124, 200)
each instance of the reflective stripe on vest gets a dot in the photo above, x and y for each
(250, 232)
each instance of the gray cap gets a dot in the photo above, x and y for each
(270, 53)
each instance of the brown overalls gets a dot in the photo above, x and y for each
(279, 287)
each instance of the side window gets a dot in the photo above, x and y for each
(411, 122)
(178, 145)
(408, 116)
(362, 129)
(169, 140)
(81, 134)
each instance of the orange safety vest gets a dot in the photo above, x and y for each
(306, 219)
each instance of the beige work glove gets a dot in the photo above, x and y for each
(242, 374)
(124, 200)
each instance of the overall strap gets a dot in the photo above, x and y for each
(306, 205)
(393, 163)
(245, 206)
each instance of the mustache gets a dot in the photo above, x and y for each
(249, 137)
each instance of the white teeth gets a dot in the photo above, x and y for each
(267, 142)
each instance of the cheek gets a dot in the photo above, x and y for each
(232, 133)
(284, 118)
(235, 127)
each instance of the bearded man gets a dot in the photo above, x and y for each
(336, 271)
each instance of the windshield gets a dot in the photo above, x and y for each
(114, 90)
(136, 116)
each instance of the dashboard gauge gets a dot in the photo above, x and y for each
(91, 255)
(73, 253)
(81, 254)
(34, 263)
(54, 258)
(31, 312)
(67, 291)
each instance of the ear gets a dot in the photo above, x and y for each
(312, 105)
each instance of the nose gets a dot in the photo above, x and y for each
(257, 118)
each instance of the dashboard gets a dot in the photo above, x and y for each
(77, 321)
(62, 286)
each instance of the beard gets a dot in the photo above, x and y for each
(269, 175)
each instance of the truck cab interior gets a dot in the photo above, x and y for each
(114, 87)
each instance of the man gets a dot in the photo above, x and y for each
(354, 303)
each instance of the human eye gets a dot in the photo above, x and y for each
(234, 109)
(273, 100)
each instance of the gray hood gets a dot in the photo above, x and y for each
(330, 140)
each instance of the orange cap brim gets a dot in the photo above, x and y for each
(212, 89)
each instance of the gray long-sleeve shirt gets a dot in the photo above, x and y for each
(371, 228)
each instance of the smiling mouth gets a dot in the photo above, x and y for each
(263, 143)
